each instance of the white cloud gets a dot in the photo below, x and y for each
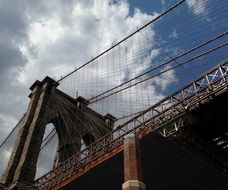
(173, 34)
(56, 47)
(45, 32)
(163, 2)
(198, 6)
(165, 79)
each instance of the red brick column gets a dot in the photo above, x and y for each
(132, 164)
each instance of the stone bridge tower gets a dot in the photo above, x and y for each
(73, 122)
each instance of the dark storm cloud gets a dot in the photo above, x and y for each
(13, 18)
(13, 29)
(10, 56)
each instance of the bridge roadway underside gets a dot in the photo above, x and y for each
(165, 167)
(166, 164)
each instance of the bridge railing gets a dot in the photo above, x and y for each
(185, 98)
(198, 91)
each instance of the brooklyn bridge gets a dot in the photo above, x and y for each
(140, 115)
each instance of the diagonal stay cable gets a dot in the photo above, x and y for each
(169, 69)
(14, 129)
(113, 46)
(60, 110)
(92, 100)
(90, 117)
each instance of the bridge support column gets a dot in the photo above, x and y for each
(15, 156)
(21, 170)
(132, 164)
(26, 170)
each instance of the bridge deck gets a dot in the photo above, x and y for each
(165, 166)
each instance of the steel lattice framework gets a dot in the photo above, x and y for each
(174, 106)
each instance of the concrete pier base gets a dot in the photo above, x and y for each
(133, 185)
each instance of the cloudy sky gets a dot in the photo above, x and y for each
(39, 38)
